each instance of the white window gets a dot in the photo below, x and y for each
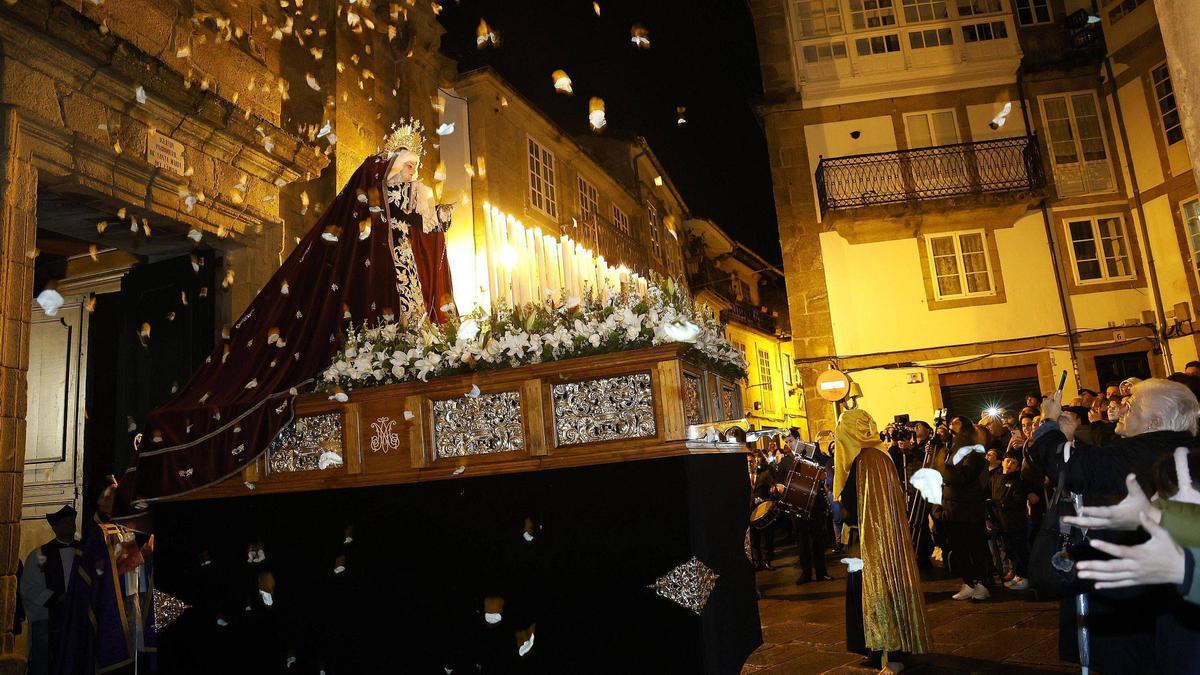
(817, 17)
(880, 44)
(620, 220)
(1031, 12)
(866, 14)
(959, 264)
(1167, 108)
(916, 11)
(982, 32)
(932, 37)
(764, 378)
(655, 235)
(977, 7)
(821, 53)
(1123, 9)
(1191, 223)
(589, 210)
(542, 191)
(1077, 147)
(1099, 249)
(934, 127)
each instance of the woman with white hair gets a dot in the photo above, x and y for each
(1162, 416)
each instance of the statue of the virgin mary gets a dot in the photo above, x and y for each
(417, 227)
(378, 253)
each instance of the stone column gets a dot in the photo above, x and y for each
(803, 265)
(18, 201)
(1177, 20)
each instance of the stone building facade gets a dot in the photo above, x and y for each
(127, 126)
(974, 195)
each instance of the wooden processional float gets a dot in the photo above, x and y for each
(624, 406)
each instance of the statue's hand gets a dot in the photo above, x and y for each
(444, 212)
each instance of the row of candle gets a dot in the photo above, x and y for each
(522, 265)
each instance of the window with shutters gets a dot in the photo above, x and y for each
(542, 190)
(1099, 249)
(959, 265)
(1122, 9)
(1078, 150)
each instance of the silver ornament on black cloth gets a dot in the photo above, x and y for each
(688, 584)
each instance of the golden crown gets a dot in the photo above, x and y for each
(409, 135)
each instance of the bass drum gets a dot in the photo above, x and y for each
(763, 515)
(804, 492)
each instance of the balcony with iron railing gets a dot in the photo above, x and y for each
(1004, 165)
(748, 315)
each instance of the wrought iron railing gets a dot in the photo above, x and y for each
(1001, 165)
(750, 316)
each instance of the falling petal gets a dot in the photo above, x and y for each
(445, 129)
(461, 468)
(596, 8)
(485, 36)
(474, 392)
(93, 251)
(312, 82)
(101, 226)
(562, 82)
(639, 36)
(140, 94)
(596, 114)
(50, 301)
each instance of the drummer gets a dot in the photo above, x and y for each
(763, 488)
(812, 532)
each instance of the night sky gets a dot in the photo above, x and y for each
(702, 56)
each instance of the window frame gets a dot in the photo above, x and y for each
(546, 200)
(1162, 114)
(991, 27)
(1193, 241)
(766, 380)
(1032, 6)
(956, 237)
(652, 224)
(958, 4)
(938, 31)
(928, 114)
(871, 49)
(590, 230)
(1073, 118)
(620, 220)
(916, 5)
(1119, 10)
(878, 13)
(793, 6)
(1094, 220)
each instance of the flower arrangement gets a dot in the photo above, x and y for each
(597, 323)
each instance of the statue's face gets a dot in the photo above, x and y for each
(404, 168)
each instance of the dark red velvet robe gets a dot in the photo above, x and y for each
(241, 398)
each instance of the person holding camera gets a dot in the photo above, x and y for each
(1012, 498)
(964, 509)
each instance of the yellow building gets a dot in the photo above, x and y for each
(748, 294)
(608, 194)
(974, 195)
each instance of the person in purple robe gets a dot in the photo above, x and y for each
(110, 611)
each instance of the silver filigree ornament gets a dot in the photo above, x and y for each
(606, 409)
(167, 608)
(692, 410)
(301, 445)
(688, 584)
(478, 425)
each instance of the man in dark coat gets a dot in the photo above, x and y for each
(47, 572)
(1162, 416)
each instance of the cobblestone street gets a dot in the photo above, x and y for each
(804, 630)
